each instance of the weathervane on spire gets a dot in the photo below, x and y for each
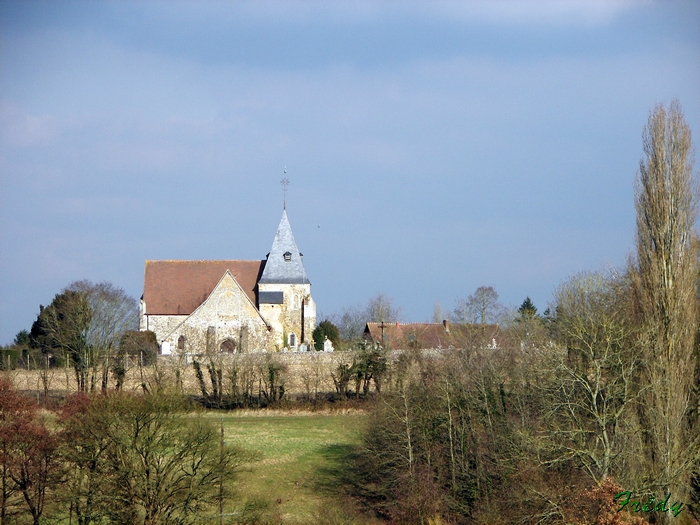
(285, 182)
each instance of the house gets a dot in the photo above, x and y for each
(231, 306)
(401, 336)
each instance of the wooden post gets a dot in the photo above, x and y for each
(221, 476)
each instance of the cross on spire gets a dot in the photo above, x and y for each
(285, 182)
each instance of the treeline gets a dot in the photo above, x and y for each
(88, 328)
(589, 410)
(117, 458)
(523, 432)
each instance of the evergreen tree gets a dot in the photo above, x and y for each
(324, 330)
(527, 310)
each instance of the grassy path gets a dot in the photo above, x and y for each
(293, 449)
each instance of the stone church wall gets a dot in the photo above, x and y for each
(286, 318)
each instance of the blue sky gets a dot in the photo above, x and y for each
(432, 147)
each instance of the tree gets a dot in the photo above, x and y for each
(13, 407)
(141, 344)
(434, 447)
(113, 313)
(593, 363)
(62, 326)
(326, 329)
(85, 323)
(143, 460)
(437, 313)
(32, 468)
(381, 309)
(369, 365)
(527, 310)
(22, 338)
(27, 455)
(134, 344)
(481, 307)
(526, 325)
(351, 320)
(664, 279)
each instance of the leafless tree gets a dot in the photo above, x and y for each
(592, 396)
(665, 274)
(113, 313)
(144, 460)
(381, 309)
(437, 312)
(481, 307)
(351, 320)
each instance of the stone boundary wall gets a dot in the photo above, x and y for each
(306, 372)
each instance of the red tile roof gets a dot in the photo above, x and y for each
(179, 287)
(400, 336)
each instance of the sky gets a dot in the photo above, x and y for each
(431, 147)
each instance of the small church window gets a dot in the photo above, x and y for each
(287, 256)
(181, 342)
(292, 340)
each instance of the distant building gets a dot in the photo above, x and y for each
(231, 306)
(402, 336)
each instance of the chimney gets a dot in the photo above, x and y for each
(446, 325)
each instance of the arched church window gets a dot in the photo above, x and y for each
(292, 340)
(181, 342)
(227, 347)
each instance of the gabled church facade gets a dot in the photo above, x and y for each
(232, 306)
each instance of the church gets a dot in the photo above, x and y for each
(233, 306)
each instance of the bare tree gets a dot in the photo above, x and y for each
(144, 460)
(113, 313)
(591, 398)
(664, 284)
(28, 458)
(437, 312)
(481, 307)
(351, 320)
(381, 309)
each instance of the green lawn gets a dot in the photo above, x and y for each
(289, 482)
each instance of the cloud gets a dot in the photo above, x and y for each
(503, 154)
(21, 130)
(537, 12)
(497, 12)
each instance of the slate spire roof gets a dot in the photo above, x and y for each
(284, 264)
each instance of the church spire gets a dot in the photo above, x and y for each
(284, 182)
(284, 264)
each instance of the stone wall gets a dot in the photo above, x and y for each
(306, 372)
(286, 318)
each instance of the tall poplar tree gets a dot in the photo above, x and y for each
(664, 284)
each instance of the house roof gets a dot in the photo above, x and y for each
(284, 264)
(432, 335)
(179, 287)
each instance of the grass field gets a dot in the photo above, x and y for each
(289, 482)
